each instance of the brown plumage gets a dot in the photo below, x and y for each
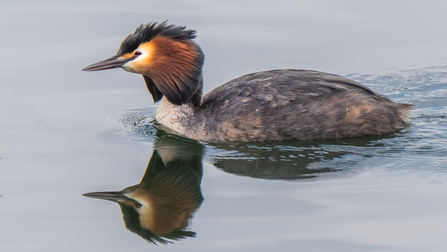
(159, 208)
(273, 105)
(170, 68)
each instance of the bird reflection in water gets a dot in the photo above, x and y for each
(293, 160)
(160, 207)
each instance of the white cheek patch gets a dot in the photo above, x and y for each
(133, 65)
(139, 198)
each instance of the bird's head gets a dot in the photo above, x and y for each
(170, 62)
(159, 208)
(143, 215)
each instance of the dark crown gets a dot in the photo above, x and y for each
(145, 33)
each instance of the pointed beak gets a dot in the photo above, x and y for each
(112, 196)
(113, 62)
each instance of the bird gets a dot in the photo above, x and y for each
(274, 105)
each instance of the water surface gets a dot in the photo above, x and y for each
(65, 132)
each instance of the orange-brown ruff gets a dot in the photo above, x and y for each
(274, 105)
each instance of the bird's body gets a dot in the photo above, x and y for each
(282, 105)
(276, 105)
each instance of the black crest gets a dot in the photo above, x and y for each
(132, 221)
(146, 32)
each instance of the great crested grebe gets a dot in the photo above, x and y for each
(274, 105)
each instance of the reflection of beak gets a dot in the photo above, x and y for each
(113, 62)
(112, 196)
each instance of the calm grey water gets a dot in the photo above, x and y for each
(65, 132)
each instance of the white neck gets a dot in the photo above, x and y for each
(175, 117)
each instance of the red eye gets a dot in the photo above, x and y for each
(137, 53)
